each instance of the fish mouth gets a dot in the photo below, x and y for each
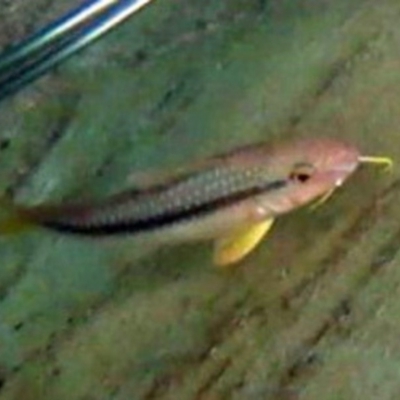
(341, 172)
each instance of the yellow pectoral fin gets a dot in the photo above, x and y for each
(235, 246)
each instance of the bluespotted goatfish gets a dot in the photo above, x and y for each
(232, 198)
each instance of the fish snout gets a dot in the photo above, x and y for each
(342, 171)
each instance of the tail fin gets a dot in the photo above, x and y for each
(12, 218)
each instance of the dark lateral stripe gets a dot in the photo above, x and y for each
(162, 220)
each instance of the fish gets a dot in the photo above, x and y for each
(232, 198)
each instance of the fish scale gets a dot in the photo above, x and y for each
(194, 191)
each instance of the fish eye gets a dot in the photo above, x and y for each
(301, 173)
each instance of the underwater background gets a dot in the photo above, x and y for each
(311, 314)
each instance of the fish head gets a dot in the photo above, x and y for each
(311, 168)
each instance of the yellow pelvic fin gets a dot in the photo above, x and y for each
(235, 246)
(386, 161)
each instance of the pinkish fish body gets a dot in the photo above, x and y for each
(232, 198)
